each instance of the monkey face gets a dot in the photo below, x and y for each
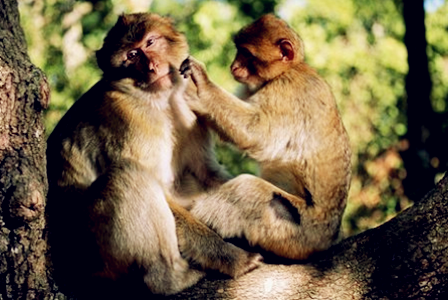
(265, 50)
(145, 48)
(244, 68)
(260, 61)
(148, 62)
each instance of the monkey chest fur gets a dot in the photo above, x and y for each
(109, 127)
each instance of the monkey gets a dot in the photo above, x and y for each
(119, 164)
(291, 126)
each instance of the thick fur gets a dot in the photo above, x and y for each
(290, 124)
(121, 163)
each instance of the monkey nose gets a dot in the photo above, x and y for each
(152, 66)
(234, 67)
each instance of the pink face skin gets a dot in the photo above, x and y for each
(149, 57)
(254, 69)
(244, 71)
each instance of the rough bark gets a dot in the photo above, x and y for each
(404, 258)
(23, 184)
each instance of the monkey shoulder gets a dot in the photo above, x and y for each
(97, 132)
(87, 120)
(310, 93)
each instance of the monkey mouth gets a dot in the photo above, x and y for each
(160, 82)
(161, 77)
(240, 79)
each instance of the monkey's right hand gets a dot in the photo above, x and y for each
(196, 70)
(185, 68)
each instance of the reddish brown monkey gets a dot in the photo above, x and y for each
(290, 124)
(120, 161)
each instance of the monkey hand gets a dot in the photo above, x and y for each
(185, 67)
(196, 95)
(195, 69)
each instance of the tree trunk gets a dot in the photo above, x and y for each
(404, 258)
(24, 93)
(423, 157)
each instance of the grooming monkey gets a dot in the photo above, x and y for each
(120, 162)
(290, 124)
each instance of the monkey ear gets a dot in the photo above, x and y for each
(287, 50)
(122, 20)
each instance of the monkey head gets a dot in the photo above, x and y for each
(144, 47)
(265, 49)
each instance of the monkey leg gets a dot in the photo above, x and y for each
(202, 246)
(251, 208)
(135, 230)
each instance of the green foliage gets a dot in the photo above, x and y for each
(210, 38)
(357, 46)
(255, 8)
(436, 28)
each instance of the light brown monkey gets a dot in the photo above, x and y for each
(290, 124)
(119, 160)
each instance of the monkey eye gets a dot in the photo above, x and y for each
(132, 54)
(245, 52)
(151, 41)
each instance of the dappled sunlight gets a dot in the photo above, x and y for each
(356, 46)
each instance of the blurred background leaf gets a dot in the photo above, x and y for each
(357, 46)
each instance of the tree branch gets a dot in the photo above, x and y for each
(406, 257)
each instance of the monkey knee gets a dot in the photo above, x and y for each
(245, 185)
(246, 178)
(250, 188)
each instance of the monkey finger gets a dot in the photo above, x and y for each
(185, 68)
(187, 73)
(194, 62)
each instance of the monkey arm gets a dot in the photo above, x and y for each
(234, 120)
